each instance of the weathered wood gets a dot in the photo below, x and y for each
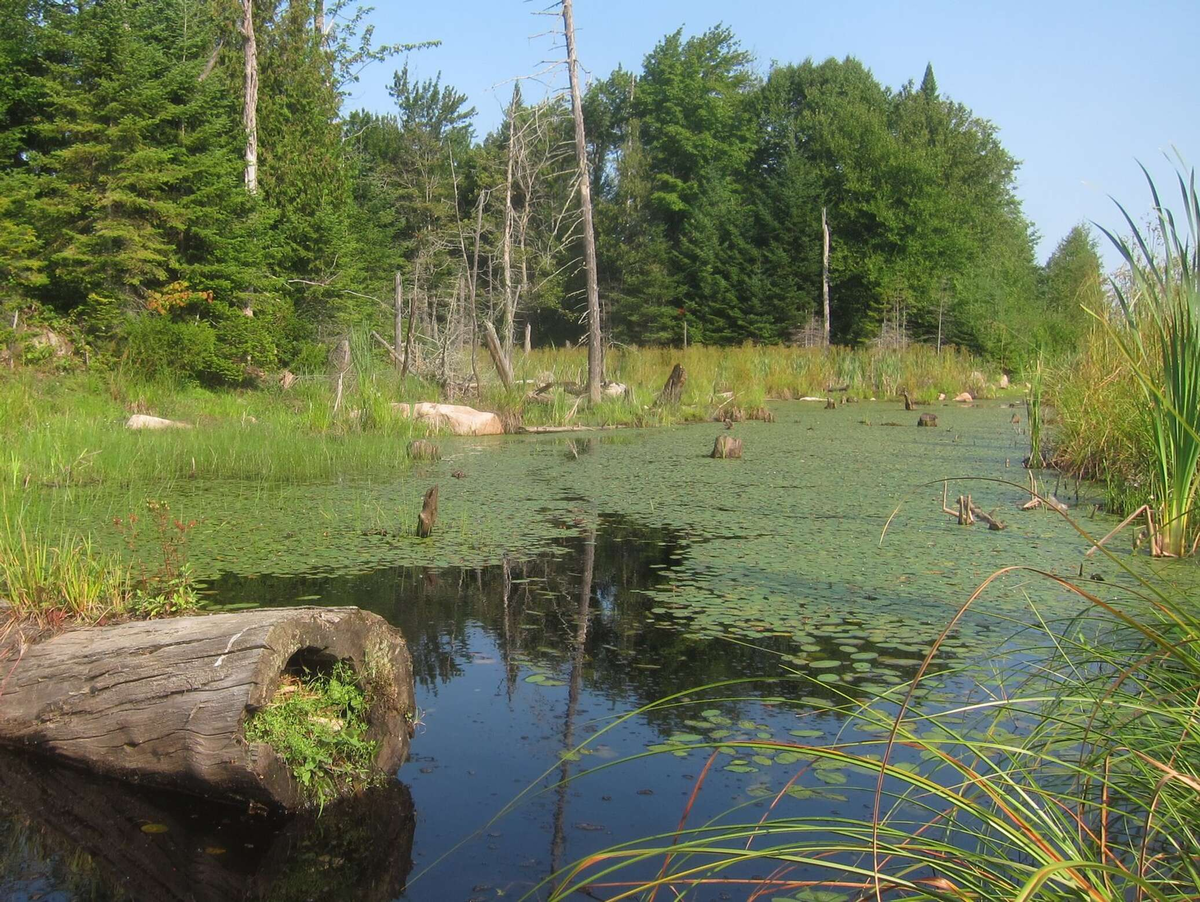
(164, 702)
(830, 404)
(423, 450)
(428, 516)
(672, 392)
(200, 851)
(927, 419)
(908, 402)
(250, 96)
(398, 321)
(595, 360)
(503, 367)
(727, 448)
(825, 272)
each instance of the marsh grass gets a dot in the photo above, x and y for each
(1160, 338)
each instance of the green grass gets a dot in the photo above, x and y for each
(1160, 337)
(317, 722)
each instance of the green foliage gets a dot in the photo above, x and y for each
(317, 723)
(1160, 338)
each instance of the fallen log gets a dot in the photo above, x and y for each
(164, 702)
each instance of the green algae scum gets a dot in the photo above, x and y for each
(617, 598)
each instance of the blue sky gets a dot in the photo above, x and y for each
(1080, 91)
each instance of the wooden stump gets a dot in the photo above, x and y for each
(830, 404)
(422, 450)
(672, 392)
(927, 419)
(428, 516)
(164, 702)
(727, 447)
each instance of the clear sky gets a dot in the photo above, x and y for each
(1080, 91)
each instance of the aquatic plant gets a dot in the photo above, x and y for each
(1033, 410)
(1161, 341)
(316, 722)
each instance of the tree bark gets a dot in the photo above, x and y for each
(825, 271)
(164, 702)
(398, 325)
(528, 338)
(428, 516)
(510, 302)
(672, 392)
(503, 367)
(595, 363)
(250, 103)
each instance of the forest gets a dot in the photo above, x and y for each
(130, 220)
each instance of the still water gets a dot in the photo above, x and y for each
(573, 586)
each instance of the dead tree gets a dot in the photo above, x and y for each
(428, 516)
(595, 364)
(398, 325)
(825, 269)
(250, 102)
(672, 392)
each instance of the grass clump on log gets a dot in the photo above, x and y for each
(316, 722)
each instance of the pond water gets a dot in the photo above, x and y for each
(571, 584)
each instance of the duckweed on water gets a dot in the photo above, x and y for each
(317, 723)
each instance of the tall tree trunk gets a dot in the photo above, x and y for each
(319, 21)
(399, 318)
(250, 105)
(595, 364)
(825, 270)
(510, 302)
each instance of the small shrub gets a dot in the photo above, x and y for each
(317, 722)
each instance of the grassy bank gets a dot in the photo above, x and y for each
(69, 429)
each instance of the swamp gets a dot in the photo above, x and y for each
(575, 583)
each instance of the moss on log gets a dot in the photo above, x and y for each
(164, 702)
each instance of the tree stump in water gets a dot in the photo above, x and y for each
(422, 450)
(164, 702)
(727, 447)
(927, 419)
(672, 392)
(428, 515)
(830, 404)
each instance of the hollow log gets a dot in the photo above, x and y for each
(147, 844)
(164, 702)
(727, 448)
(428, 515)
(672, 392)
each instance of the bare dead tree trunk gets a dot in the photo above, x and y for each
(595, 364)
(509, 215)
(398, 326)
(502, 365)
(250, 104)
(412, 316)
(528, 338)
(825, 269)
(319, 21)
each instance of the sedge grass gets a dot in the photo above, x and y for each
(1160, 338)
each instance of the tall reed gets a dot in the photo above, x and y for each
(1160, 338)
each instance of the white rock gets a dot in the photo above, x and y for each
(142, 421)
(1004, 380)
(453, 418)
(941, 396)
(614, 389)
(965, 396)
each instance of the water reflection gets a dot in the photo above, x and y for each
(70, 835)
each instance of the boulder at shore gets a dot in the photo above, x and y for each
(453, 418)
(965, 396)
(142, 421)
